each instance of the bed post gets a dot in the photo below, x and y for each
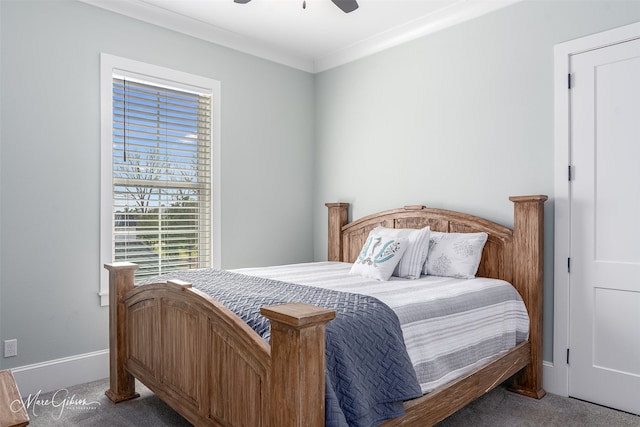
(121, 383)
(297, 364)
(528, 278)
(337, 219)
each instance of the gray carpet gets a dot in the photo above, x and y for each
(86, 405)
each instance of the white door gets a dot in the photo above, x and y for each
(604, 359)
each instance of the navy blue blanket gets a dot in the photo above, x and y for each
(369, 373)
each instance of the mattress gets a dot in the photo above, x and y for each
(450, 326)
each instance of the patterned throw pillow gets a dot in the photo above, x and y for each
(454, 254)
(411, 263)
(379, 256)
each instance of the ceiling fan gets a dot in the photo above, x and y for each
(345, 5)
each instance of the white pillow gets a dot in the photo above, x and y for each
(379, 256)
(454, 254)
(411, 263)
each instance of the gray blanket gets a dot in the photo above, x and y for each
(368, 374)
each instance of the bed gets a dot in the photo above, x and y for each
(210, 366)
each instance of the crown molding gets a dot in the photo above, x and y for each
(163, 18)
(459, 12)
(420, 27)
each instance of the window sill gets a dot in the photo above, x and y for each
(104, 299)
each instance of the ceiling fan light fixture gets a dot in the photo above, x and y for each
(345, 5)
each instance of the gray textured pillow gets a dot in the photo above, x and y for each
(454, 254)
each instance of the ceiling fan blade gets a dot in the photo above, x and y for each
(242, 1)
(346, 5)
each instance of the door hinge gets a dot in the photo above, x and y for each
(568, 265)
(567, 356)
(569, 172)
(569, 81)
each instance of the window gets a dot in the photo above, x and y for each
(158, 143)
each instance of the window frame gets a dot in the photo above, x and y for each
(110, 64)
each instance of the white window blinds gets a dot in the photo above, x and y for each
(161, 166)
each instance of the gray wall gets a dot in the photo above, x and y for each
(460, 119)
(49, 168)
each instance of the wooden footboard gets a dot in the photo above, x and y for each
(207, 363)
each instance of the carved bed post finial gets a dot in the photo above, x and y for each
(121, 383)
(337, 219)
(297, 395)
(528, 277)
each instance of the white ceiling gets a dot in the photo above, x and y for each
(313, 39)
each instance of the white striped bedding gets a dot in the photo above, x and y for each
(450, 326)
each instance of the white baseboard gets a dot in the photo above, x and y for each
(61, 373)
(553, 379)
(83, 368)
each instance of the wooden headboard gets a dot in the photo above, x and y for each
(496, 259)
(499, 254)
(514, 255)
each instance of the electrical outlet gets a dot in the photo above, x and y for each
(10, 348)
